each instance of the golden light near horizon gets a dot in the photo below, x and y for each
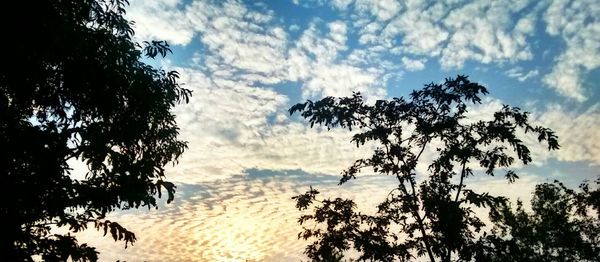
(235, 220)
(239, 236)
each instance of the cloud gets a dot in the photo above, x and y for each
(418, 28)
(341, 80)
(309, 3)
(323, 47)
(487, 32)
(577, 132)
(241, 218)
(250, 217)
(341, 4)
(232, 127)
(485, 112)
(455, 32)
(242, 44)
(566, 80)
(576, 22)
(251, 46)
(234, 122)
(294, 27)
(517, 72)
(160, 20)
(383, 10)
(316, 61)
(413, 64)
(483, 31)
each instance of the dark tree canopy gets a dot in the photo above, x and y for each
(73, 86)
(430, 214)
(564, 225)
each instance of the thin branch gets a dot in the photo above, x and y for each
(462, 176)
(416, 206)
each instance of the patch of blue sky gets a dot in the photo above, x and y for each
(590, 84)
(570, 173)
(301, 13)
(184, 55)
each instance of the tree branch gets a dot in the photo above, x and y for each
(462, 176)
(415, 209)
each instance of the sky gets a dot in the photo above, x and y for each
(248, 62)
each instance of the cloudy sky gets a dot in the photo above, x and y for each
(248, 62)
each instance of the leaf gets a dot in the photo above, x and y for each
(170, 187)
(511, 176)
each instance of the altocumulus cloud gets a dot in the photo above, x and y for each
(252, 44)
(232, 127)
(245, 217)
(249, 64)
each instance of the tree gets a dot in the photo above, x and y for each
(564, 225)
(73, 86)
(426, 214)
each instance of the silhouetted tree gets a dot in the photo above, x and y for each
(425, 214)
(564, 225)
(72, 86)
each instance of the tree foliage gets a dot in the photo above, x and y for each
(564, 225)
(428, 214)
(73, 86)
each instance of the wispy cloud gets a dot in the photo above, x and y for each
(248, 217)
(517, 72)
(484, 31)
(245, 217)
(413, 64)
(161, 19)
(577, 131)
(578, 24)
(250, 46)
(253, 45)
(232, 127)
(456, 32)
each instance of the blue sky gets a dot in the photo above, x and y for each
(249, 61)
